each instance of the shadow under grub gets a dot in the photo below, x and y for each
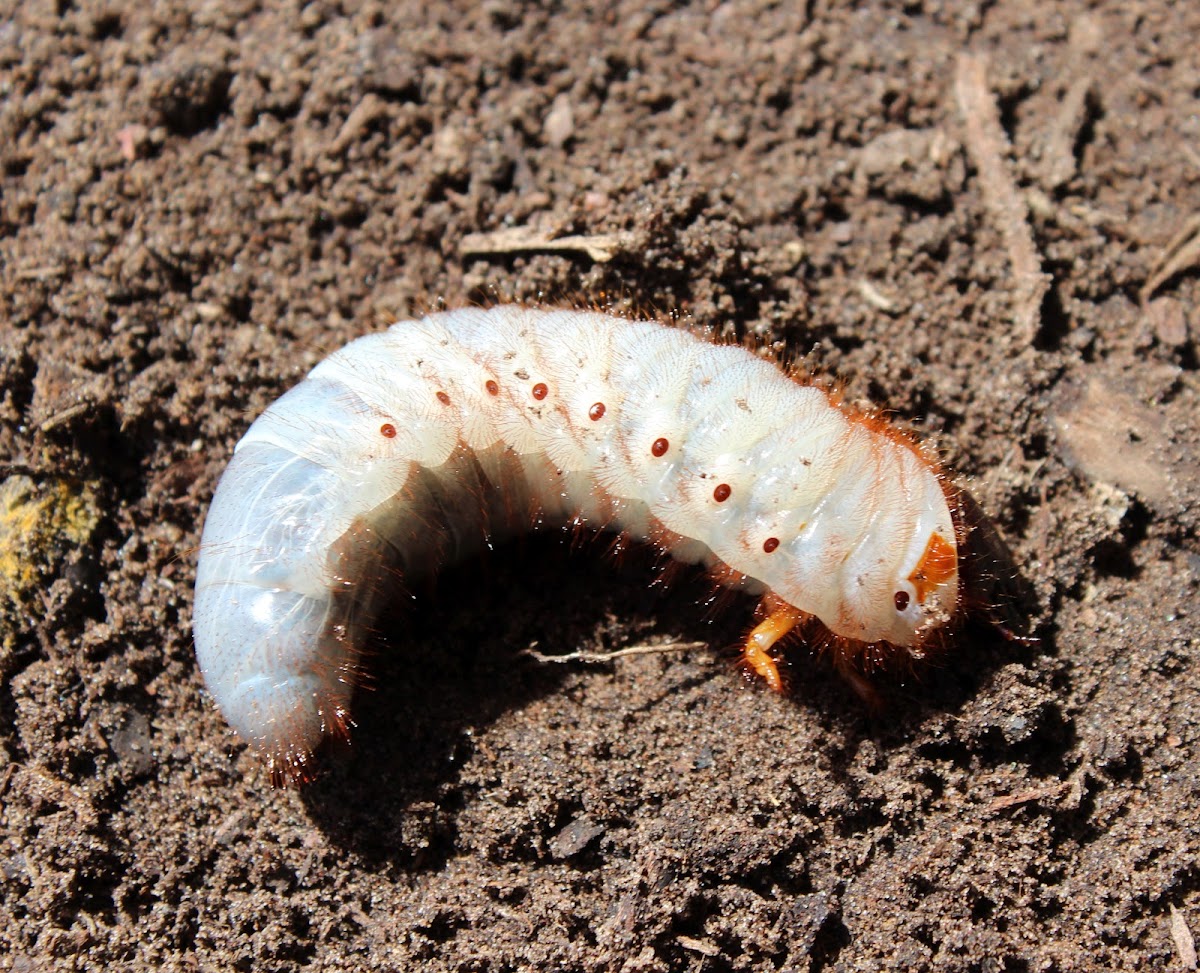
(446, 661)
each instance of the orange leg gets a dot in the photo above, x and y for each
(756, 653)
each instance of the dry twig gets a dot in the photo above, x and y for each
(367, 111)
(1059, 161)
(601, 247)
(1006, 801)
(987, 144)
(1182, 253)
(1185, 944)
(581, 656)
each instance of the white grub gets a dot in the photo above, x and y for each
(411, 447)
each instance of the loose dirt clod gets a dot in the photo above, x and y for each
(42, 525)
(1108, 435)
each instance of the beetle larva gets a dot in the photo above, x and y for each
(418, 445)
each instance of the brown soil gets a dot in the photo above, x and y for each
(198, 204)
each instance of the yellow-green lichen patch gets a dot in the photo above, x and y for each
(42, 524)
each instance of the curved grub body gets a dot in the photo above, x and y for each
(409, 448)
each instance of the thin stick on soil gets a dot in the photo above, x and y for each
(987, 144)
(1182, 253)
(601, 657)
(1059, 159)
(600, 247)
(1185, 944)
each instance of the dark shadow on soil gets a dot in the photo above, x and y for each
(438, 677)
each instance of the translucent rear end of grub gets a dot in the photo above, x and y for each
(410, 448)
